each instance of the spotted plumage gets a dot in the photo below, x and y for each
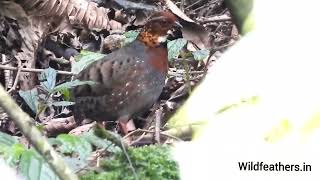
(128, 80)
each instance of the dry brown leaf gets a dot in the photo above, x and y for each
(177, 11)
(191, 31)
(197, 34)
(30, 32)
(77, 11)
(141, 18)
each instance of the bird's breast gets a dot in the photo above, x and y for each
(158, 59)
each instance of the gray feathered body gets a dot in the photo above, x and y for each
(128, 81)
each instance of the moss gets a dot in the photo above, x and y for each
(149, 162)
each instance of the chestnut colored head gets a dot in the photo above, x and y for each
(156, 29)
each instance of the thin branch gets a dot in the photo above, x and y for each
(3, 58)
(183, 72)
(34, 70)
(157, 126)
(113, 137)
(124, 150)
(191, 5)
(138, 139)
(182, 5)
(17, 78)
(7, 73)
(223, 17)
(167, 133)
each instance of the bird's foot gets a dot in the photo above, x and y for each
(126, 127)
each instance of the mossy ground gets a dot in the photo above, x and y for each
(150, 163)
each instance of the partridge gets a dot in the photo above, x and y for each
(128, 80)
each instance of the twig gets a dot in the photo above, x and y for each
(129, 160)
(157, 126)
(191, 5)
(7, 73)
(3, 59)
(163, 133)
(206, 66)
(138, 139)
(34, 70)
(223, 17)
(181, 73)
(17, 78)
(181, 91)
(113, 137)
(205, 5)
(131, 133)
(182, 5)
(171, 136)
(230, 43)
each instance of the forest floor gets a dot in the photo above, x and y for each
(28, 51)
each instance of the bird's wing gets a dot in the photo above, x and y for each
(112, 72)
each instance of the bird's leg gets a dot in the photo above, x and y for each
(126, 125)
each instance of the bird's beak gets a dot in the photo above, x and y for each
(177, 24)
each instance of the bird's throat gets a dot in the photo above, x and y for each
(151, 39)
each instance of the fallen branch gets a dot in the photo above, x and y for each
(33, 70)
(223, 17)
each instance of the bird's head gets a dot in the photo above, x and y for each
(157, 27)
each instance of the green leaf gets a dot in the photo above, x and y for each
(48, 78)
(34, 167)
(29, 163)
(84, 59)
(174, 47)
(11, 154)
(72, 84)
(200, 55)
(7, 140)
(63, 103)
(65, 93)
(72, 144)
(31, 98)
(130, 36)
